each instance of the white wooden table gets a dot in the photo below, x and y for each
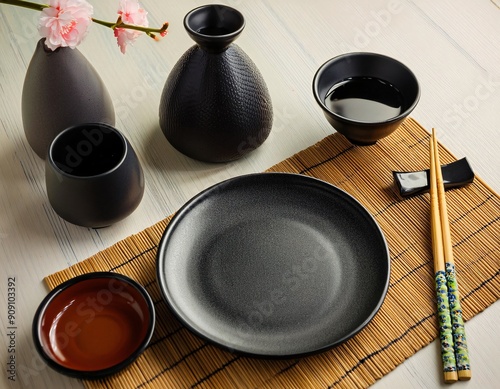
(453, 46)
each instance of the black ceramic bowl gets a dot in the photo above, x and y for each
(365, 96)
(93, 325)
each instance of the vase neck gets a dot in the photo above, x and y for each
(214, 27)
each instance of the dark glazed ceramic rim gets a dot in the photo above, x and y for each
(328, 63)
(214, 43)
(108, 127)
(214, 190)
(95, 374)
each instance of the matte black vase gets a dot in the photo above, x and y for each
(61, 89)
(215, 105)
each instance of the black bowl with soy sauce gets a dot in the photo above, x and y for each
(365, 96)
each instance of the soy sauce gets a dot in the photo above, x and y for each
(365, 99)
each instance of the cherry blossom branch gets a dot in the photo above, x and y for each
(25, 4)
(118, 24)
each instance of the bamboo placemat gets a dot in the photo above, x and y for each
(405, 323)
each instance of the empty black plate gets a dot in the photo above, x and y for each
(274, 265)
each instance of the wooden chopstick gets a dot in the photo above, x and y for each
(458, 329)
(443, 307)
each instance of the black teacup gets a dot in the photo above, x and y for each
(93, 175)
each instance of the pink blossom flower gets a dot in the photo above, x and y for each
(65, 23)
(130, 13)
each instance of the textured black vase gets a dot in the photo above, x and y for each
(61, 89)
(215, 105)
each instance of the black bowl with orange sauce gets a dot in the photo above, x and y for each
(94, 325)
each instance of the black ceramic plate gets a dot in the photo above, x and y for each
(274, 265)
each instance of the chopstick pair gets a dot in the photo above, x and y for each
(454, 350)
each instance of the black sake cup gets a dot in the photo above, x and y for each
(93, 175)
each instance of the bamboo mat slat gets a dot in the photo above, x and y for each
(177, 359)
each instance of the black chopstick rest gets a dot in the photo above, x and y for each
(455, 174)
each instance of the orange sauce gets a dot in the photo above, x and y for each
(94, 324)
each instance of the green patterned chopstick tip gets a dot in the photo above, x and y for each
(458, 328)
(445, 324)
